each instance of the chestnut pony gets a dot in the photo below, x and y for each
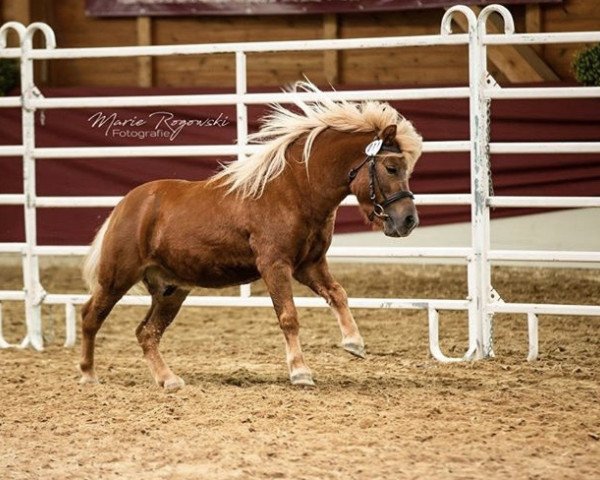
(270, 216)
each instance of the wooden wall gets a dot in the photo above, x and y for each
(406, 66)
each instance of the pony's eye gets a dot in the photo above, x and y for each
(391, 170)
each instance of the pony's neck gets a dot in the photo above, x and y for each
(332, 157)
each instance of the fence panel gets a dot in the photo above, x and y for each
(482, 301)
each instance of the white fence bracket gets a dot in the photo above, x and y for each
(3, 342)
(434, 341)
(532, 330)
(70, 325)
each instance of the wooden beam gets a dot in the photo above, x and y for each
(42, 11)
(533, 18)
(17, 11)
(331, 57)
(519, 63)
(144, 37)
(533, 23)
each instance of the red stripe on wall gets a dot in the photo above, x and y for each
(513, 120)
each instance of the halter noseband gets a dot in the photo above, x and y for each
(371, 151)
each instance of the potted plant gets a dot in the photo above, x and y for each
(586, 66)
(9, 75)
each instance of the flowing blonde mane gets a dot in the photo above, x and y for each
(282, 127)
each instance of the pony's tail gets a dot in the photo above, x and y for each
(90, 264)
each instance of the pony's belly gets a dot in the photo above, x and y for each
(225, 276)
(195, 272)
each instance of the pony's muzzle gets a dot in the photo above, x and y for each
(400, 225)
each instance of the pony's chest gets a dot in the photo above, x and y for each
(314, 247)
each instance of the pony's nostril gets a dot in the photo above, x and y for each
(409, 221)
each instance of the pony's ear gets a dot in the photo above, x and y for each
(388, 135)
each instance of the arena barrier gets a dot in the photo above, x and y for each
(482, 301)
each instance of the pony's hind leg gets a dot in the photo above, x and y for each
(316, 276)
(94, 313)
(165, 306)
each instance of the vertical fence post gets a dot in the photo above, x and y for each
(241, 87)
(481, 177)
(34, 293)
(479, 272)
(19, 30)
(31, 278)
(476, 261)
(70, 325)
(3, 343)
(480, 189)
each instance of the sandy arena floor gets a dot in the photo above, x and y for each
(396, 415)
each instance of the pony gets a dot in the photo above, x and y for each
(269, 216)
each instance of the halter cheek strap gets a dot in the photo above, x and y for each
(371, 151)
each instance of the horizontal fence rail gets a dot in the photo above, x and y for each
(544, 202)
(246, 47)
(195, 150)
(247, 98)
(111, 201)
(541, 38)
(543, 256)
(481, 302)
(542, 92)
(547, 148)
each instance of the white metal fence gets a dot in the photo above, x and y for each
(482, 301)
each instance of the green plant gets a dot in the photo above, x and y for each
(9, 75)
(586, 66)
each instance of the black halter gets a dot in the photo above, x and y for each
(371, 151)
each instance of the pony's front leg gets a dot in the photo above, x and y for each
(277, 276)
(317, 277)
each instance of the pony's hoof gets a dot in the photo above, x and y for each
(302, 379)
(87, 379)
(173, 384)
(355, 349)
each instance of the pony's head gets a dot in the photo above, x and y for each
(381, 180)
